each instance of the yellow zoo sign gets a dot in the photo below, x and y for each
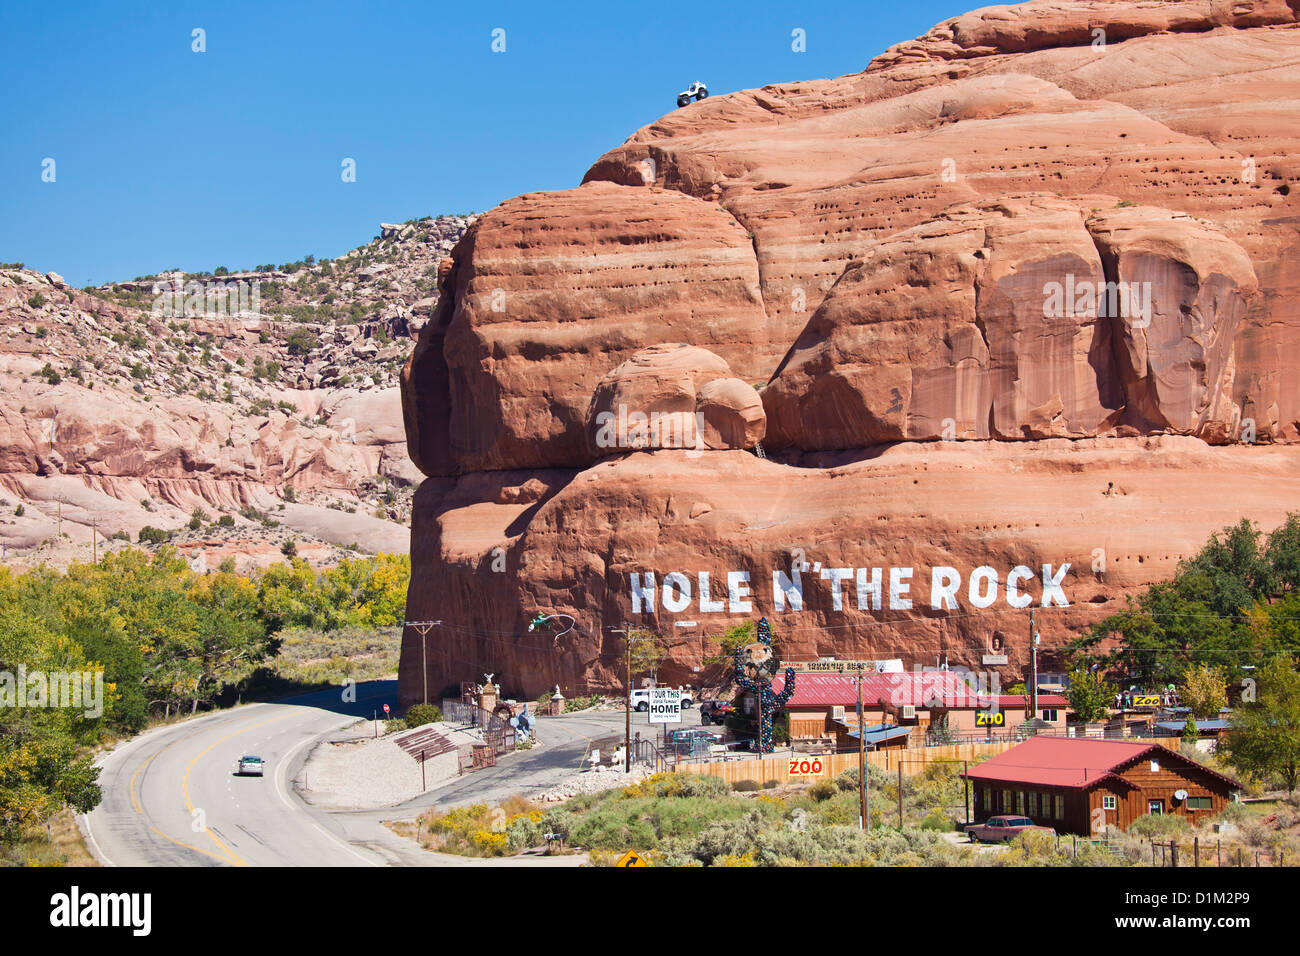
(990, 718)
(1147, 700)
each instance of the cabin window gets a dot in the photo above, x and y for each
(1108, 802)
(1020, 801)
(1155, 766)
(1200, 803)
(1060, 807)
(1050, 715)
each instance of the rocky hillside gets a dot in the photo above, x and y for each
(1009, 318)
(241, 412)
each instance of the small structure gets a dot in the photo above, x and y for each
(879, 736)
(1207, 731)
(1080, 785)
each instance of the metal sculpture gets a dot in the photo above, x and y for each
(756, 665)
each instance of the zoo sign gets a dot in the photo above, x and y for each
(806, 767)
(665, 705)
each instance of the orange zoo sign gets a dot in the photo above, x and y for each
(806, 767)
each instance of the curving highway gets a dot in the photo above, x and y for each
(171, 796)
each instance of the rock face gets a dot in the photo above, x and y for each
(137, 403)
(673, 396)
(1023, 245)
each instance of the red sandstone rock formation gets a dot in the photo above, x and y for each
(1042, 231)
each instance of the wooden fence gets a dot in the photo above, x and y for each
(913, 760)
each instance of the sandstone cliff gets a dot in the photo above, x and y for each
(1039, 254)
(132, 405)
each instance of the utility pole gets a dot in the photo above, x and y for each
(965, 766)
(422, 628)
(862, 757)
(1033, 672)
(900, 793)
(626, 631)
(627, 715)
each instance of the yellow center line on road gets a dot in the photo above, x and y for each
(135, 803)
(185, 784)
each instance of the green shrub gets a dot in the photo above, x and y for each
(1152, 825)
(419, 714)
(823, 790)
(745, 786)
(152, 535)
(936, 819)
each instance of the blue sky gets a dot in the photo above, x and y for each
(168, 158)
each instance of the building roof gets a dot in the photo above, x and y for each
(878, 733)
(1073, 762)
(1201, 725)
(1017, 701)
(921, 689)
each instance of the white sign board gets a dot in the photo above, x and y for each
(665, 705)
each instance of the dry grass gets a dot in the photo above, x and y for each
(65, 837)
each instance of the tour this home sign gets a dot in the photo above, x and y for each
(837, 589)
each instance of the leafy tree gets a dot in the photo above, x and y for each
(1263, 738)
(647, 651)
(1283, 554)
(1217, 611)
(1204, 690)
(1089, 695)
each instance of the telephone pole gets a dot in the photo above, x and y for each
(1033, 668)
(862, 756)
(627, 714)
(862, 751)
(626, 631)
(422, 628)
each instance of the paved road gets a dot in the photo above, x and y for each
(171, 796)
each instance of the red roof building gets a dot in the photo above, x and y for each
(1080, 786)
(824, 704)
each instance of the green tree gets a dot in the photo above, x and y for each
(736, 636)
(1089, 695)
(1283, 554)
(647, 652)
(1204, 689)
(1263, 738)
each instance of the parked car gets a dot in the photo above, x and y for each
(1003, 827)
(691, 742)
(715, 711)
(641, 698)
(250, 767)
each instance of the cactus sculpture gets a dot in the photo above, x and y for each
(756, 665)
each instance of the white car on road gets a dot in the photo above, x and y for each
(250, 767)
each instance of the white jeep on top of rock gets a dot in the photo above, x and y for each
(696, 90)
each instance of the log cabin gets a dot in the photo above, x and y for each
(1080, 786)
